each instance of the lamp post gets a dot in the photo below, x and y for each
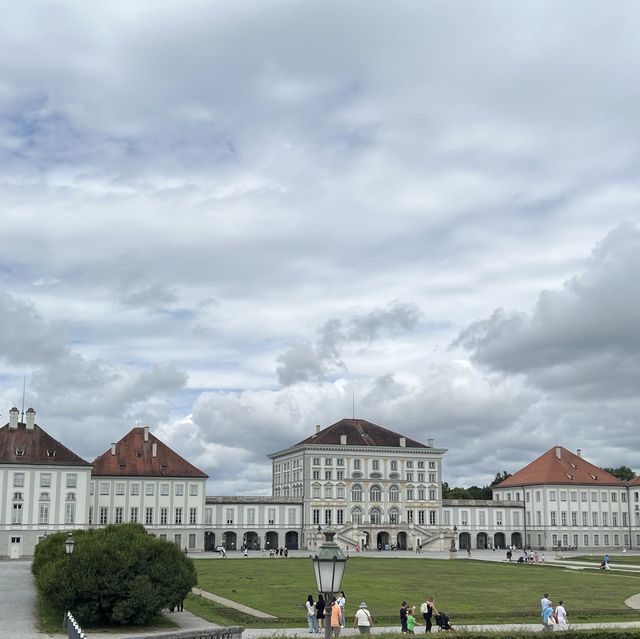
(69, 544)
(329, 565)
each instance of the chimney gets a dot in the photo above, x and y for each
(317, 428)
(154, 449)
(146, 433)
(31, 418)
(579, 452)
(13, 418)
(113, 448)
(430, 443)
(343, 440)
(558, 452)
(403, 442)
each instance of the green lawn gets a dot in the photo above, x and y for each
(469, 591)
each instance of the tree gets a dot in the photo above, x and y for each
(500, 477)
(116, 575)
(624, 473)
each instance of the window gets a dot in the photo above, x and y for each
(356, 464)
(340, 492)
(421, 464)
(563, 495)
(135, 488)
(554, 540)
(499, 518)
(18, 480)
(356, 492)
(552, 495)
(178, 517)
(118, 515)
(193, 490)
(409, 493)
(376, 464)
(340, 461)
(315, 491)
(605, 519)
(446, 516)
(149, 489)
(327, 474)
(432, 464)
(433, 494)
(90, 515)
(409, 476)
(328, 461)
(43, 514)
(410, 516)
(537, 495)
(481, 519)
(316, 474)
(432, 477)
(553, 518)
(45, 480)
(614, 497)
(594, 519)
(148, 515)
(193, 515)
(585, 540)
(177, 539)
(316, 461)
(251, 516)
(623, 499)
(164, 515)
(606, 539)
(394, 465)
(574, 519)
(316, 516)
(104, 487)
(421, 476)
(340, 516)
(375, 494)
(583, 496)
(624, 520)
(421, 492)
(464, 518)
(119, 488)
(70, 513)
(409, 464)
(432, 517)
(72, 480)
(327, 516)
(328, 491)
(374, 516)
(574, 498)
(340, 475)
(538, 518)
(594, 496)
(179, 490)
(229, 515)
(16, 514)
(421, 518)
(563, 518)
(394, 494)
(104, 515)
(603, 496)
(585, 519)
(164, 489)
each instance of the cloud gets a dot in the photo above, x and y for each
(304, 362)
(581, 340)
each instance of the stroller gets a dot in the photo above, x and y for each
(442, 621)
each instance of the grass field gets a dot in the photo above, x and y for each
(469, 591)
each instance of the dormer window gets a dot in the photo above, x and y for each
(594, 477)
(573, 465)
(51, 453)
(569, 476)
(20, 451)
(139, 453)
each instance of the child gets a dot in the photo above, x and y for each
(411, 622)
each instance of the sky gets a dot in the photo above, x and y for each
(232, 221)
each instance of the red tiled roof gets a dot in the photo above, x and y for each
(26, 446)
(359, 432)
(134, 457)
(635, 481)
(560, 466)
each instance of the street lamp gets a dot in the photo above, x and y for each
(68, 545)
(329, 565)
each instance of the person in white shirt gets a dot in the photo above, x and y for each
(342, 602)
(561, 616)
(545, 601)
(363, 621)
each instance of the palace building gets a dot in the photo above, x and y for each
(377, 487)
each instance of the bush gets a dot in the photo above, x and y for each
(116, 575)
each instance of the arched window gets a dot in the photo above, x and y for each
(340, 491)
(356, 492)
(356, 515)
(394, 494)
(375, 494)
(394, 516)
(375, 516)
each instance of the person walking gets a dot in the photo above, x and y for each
(342, 602)
(548, 622)
(561, 616)
(403, 617)
(311, 615)
(363, 620)
(428, 609)
(545, 601)
(320, 606)
(335, 619)
(411, 621)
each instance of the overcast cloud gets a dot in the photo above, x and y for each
(234, 221)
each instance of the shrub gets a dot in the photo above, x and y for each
(116, 575)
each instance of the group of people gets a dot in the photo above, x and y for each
(553, 618)
(318, 611)
(321, 612)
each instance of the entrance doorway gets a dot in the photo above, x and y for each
(14, 548)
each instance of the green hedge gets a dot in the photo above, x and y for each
(116, 575)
